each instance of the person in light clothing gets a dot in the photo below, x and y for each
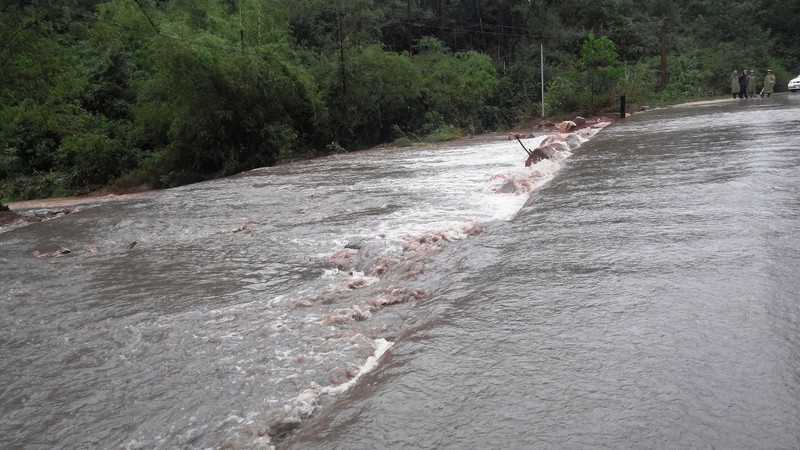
(751, 84)
(769, 84)
(735, 83)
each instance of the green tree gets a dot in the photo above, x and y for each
(458, 85)
(591, 82)
(38, 86)
(385, 90)
(599, 60)
(229, 110)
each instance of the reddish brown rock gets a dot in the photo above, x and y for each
(565, 126)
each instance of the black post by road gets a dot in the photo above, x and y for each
(621, 106)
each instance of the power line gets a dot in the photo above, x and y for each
(145, 14)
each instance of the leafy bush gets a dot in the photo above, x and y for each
(565, 94)
(30, 135)
(591, 86)
(455, 85)
(432, 121)
(225, 111)
(36, 185)
(517, 98)
(444, 133)
(380, 89)
(93, 159)
(335, 149)
(638, 81)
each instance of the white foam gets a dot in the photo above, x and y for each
(381, 345)
(307, 401)
(466, 178)
(330, 273)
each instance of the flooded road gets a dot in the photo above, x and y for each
(638, 290)
(647, 297)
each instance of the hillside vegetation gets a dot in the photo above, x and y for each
(122, 93)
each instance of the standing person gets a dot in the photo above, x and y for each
(751, 84)
(769, 83)
(743, 84)
(735, 83)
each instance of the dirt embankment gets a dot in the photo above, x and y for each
(47, 208)
(9, 217)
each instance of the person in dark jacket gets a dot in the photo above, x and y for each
(743, 84)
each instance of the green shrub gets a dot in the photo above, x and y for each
(93, 160)
(443, 134)
(455, 85)
(402, 142)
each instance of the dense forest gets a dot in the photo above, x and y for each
(125, 93)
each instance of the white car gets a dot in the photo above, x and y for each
(794, 85)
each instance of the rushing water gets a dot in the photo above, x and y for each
(640, 290)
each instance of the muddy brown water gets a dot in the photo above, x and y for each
(641, 290)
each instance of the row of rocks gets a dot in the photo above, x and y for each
(10, 217)
(568, 126)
